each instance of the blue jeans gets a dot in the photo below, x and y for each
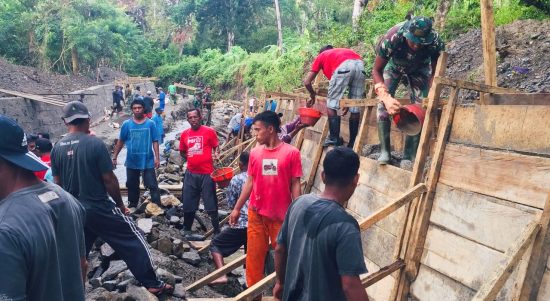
(149, 180)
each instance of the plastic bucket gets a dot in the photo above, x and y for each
(410, 119)
(222, 176)
(309, 116)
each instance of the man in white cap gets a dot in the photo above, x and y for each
(41, 227)
(149, 103)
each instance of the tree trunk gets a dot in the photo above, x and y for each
(74, 60)
(441, 14)
(230, 39)
(279, 27)
(358, 6)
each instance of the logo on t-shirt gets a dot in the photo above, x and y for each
(269, 167)
(195, 146)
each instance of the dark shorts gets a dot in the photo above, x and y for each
(117, 107)
(196, 186)
(229, 241)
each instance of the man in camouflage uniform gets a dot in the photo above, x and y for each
(408, 52)
(207, 103)
(197, 99)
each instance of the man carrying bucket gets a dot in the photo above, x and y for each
(274, 172)
(196, 146)
(344, 68)
(409, 50)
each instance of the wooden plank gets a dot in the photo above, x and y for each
(480, 218)
(255, 290)
(348, 103)
(316, 159)
(382, 273)
(392, 207)
(539, 257)
(381, 290)
(510, 127)
(431, 285)
(458, 258)
(363, 131)
(217, 273)
(471, 86)
(378, 245)
(518, 178)
(534, 99)
(490, 289)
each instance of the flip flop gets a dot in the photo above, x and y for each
(164, 288)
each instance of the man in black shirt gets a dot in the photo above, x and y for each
(82, 166)
(319, 254)
(149, 103)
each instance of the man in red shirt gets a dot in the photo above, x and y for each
(42, 150)
(274, 171)
(344, 68)
(196, 146)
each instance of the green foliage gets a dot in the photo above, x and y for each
(514, 10)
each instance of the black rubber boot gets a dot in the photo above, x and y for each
(411, 146)
(353, 130)
(334, 132)
(384, 137)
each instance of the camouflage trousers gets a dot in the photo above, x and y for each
(417, 81)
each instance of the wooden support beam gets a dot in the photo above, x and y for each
(401, 287)
(539, 257)
(217, 273)
(316, 159)
(381, 213)
(489, 290)
(471, 86)
(257, 289)
(488, 42)
(228, 152)
(422, 214)
(382, 273)
(364, 126)
(346, 103)
(185, 87)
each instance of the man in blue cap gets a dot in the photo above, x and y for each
(408, 52)
(41, 227)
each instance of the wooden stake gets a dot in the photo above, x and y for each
(217, 273)
(539, 257)
(316, 159)
(363, 129)
(255, 290)
(488, 42)
(489, 290)
(382, 273)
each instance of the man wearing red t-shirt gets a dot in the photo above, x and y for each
(196, 146)
(344, 68)
(274, 171)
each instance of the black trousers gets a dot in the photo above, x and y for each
(122, 234)
(149, 180)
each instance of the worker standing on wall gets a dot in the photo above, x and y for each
(408, 51)
(345, 69)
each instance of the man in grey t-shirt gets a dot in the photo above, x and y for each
(41, 228)
(319, 254)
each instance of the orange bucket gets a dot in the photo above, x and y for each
(309, 116)
(222, 176)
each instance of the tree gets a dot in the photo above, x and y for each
(279, 27)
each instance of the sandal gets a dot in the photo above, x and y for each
(163, 288)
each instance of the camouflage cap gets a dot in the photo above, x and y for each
(419, 30)
(198, 91)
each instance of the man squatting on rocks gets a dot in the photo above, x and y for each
(319, 255)
(408, 50)
(197, 145)
(41, 228)
(274, 172)
(233, 237)
(344, 68)
(141, 137)
(82, 166)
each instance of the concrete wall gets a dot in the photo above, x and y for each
(35, 116)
